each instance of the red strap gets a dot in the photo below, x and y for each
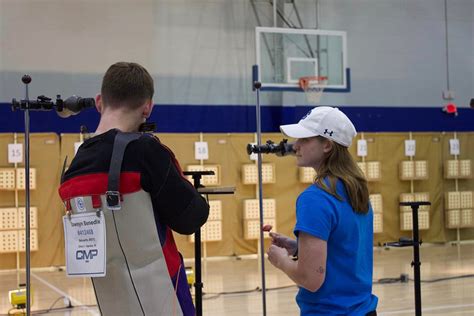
(96, 201)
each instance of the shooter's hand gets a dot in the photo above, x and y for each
(282, 241)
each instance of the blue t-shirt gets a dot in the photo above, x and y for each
(347, 288)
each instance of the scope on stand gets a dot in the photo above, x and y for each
(42, 103)
(281, 149)
(71, 106)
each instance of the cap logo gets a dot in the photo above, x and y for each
(327, 132)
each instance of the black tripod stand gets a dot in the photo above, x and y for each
(65, 108)
(196, 175)
(415, 242)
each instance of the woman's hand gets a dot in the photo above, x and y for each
(282, 241)
(309, 271)
(276, 255)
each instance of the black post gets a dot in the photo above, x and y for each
(42, 103)
(416, 251)
(197, 244)
(257, 85)
(416, 259)
(27, 211)
(26, 79)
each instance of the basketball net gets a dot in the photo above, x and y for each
(313, 87)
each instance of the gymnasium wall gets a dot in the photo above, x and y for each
(201, 52)
(228, 151)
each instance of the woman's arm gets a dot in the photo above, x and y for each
(309, 270)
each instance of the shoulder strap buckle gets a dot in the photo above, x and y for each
(112, 199)
(112, 195)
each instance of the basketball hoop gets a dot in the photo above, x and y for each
(313, 87)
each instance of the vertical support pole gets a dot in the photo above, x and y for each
(412, 185)
(456, 184)
(196, 175)
(256, 86)
(416, 259)
(15, 141)
(204, 243)
(27, 206)
(448, 87)
(197, 259)
(275, 13)
(317, 15)
(416, 250)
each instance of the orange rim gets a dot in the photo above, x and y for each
(304, 81)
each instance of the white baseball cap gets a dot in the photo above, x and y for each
(323, 121)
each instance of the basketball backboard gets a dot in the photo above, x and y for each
(284, 55)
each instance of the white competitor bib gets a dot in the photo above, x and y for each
(84, 237)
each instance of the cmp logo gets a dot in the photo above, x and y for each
(86, 255)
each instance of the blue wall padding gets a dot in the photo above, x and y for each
(241, 119)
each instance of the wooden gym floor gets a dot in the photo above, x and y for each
(230, 286)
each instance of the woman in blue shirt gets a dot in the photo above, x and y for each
(333, 222)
